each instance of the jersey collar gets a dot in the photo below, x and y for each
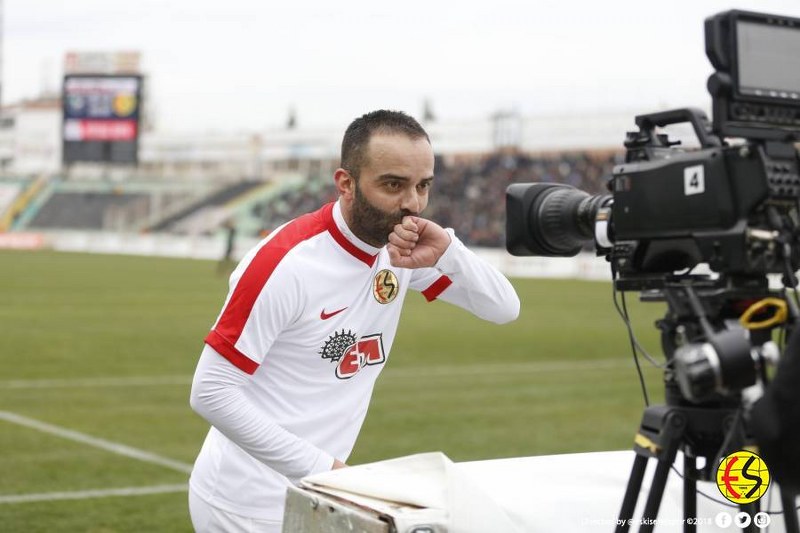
(347, 240)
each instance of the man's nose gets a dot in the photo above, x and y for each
(410, 202)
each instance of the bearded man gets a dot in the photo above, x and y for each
(287, 371)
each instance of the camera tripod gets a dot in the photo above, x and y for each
(696, 431)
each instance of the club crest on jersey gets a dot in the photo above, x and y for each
(351, 353)
(385, 286)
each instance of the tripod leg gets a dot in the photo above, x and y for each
(654, 498)
(689, 494)
(631, 493)
(789, 511)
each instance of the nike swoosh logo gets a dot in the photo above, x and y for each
(325, 316)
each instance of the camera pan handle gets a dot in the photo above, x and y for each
(694, 116)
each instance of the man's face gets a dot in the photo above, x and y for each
(394, 182)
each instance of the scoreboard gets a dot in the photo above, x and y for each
(101, 118)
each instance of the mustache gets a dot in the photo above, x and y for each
(391, 219)
(398, 217)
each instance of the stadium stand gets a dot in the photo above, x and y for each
(18, 196)
(180, 222)
(8, 193)
(291, 202)
(469, 190)
(469, 196)
(86, 210)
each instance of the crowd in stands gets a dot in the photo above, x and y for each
(296, 201)
(468, 195)
(469, 191)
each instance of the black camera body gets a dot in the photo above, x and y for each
(731, 206)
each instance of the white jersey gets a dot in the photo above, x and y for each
(311, 315)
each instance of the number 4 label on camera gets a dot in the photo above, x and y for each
(694, 180)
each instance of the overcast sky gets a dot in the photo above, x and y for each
(231, 65)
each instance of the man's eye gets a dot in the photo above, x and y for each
(425, 185)
(393, 185)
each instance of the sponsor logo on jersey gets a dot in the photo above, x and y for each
(385, 286)
(352, 353)
(325, 316)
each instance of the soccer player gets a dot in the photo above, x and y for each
(287, 371)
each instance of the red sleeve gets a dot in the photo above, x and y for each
(436, 288)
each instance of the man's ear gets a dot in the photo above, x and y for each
(345, 183)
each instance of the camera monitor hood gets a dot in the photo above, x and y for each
(756, 86)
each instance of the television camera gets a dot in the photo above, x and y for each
(733, 204)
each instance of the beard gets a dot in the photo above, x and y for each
(371, 224)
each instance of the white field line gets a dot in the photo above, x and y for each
(500, 369)
(417, 372)
(140, 381)
(88, 494)
(107, 445)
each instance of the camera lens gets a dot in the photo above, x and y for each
(551, 220)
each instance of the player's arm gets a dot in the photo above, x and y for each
(265, 297)
(218, 395)
(446, 269)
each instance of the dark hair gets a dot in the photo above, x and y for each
(359, 132)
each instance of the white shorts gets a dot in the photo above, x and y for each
(209, 519)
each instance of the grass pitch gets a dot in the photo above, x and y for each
(106, 346)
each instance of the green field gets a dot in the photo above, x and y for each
(106, 346)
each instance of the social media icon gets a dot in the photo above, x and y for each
(723, 519)
(742, 519)
(762, 519)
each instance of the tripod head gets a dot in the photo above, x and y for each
(716, 334)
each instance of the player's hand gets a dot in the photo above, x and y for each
(338, 464)
(417, 243)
